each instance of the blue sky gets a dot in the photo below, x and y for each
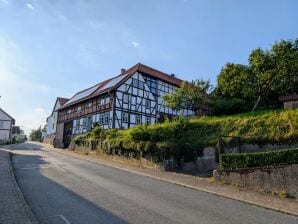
(51, 48)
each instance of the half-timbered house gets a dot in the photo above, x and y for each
(133, 97)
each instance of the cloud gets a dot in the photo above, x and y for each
(30, 6)
(135, 44)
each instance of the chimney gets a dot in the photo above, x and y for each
(123, 71)
(173, 75)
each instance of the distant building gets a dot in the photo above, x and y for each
(131, 98)
(49, 132)
(18, 134)
(290, 101)
(52, 119)
(6, 124)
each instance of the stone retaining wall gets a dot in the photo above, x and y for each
(279, 179)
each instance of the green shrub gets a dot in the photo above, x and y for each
(185, 139)
(258, 159)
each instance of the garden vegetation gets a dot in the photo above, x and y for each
(185, 139)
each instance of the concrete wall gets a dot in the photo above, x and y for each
(279, 179)
(291, 104)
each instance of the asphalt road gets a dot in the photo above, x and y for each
(63, 189)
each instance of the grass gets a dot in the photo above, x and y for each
(187, 138)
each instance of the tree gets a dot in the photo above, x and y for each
(191, 95)
(233, 81)
(36, 135)
(272, 72)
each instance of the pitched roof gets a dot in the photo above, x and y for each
(116, 81)
(62, 101)
(13, 120)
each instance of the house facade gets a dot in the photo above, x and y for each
(52, 119)
(133, 97)
(6, 123)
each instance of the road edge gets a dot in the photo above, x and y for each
(176, 182)
(21, 197)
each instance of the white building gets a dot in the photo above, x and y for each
(6, 123)
(52, 119)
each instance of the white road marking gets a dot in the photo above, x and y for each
(61, 217)
(64, 219)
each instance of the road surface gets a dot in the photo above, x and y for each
(62, 189)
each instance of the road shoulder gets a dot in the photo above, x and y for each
(13, 207)
(284, 205)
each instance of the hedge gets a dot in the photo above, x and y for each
(258, 159)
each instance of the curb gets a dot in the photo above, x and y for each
(179, 183)
(28, 210)
(20, 200)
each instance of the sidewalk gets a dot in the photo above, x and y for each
(288, 206)
(13, 207)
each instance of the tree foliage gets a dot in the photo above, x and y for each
(191, 96)
(36, 135)
(269, 72)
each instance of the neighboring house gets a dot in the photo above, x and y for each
(6, 123)
(131, 98)
(290, 101)
(18, 134)
(52, 119)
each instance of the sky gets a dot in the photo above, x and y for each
(51, 48)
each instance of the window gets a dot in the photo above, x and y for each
(125, 98)
(138, 119)
(103, 101)
(1, 124)
(90, 104)
(148, 120)
(79, 108)
(77, 125)
(69, 111)
(101, 119)
(106, 118)
(147, 104)
(125, 117)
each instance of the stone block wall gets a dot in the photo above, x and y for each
(275, 179)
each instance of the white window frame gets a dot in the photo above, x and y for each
(138, 119)
(124, 117)
(106, 118)
(102, 101)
